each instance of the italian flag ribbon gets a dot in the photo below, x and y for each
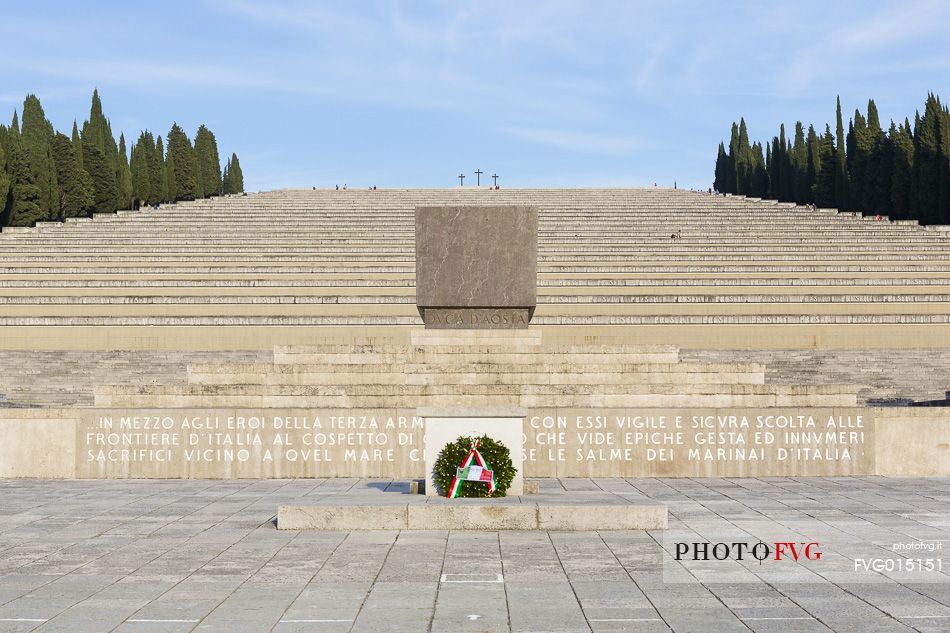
(479, 471)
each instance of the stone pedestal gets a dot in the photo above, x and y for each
(440, 431)
(476, 267)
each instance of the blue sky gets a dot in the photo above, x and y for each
(545, 93)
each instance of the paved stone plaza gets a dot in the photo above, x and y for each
(183, 555)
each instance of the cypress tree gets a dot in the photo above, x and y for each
(943, 187)
(91, 171)
(93, 129)
(841, 170)
(6, 137)
(103, 178)
(927, 163)
(814, 161)
(192, 157)
(771, 166)
(35, 136)
(743, 160)
(183, 173)
(732, 175)
(125, 176)
(861, 167)
(209, 163)
(902, 170)
(140, 161)
(799, 166)
(171, 183)
(5, 182)
(25, 209)
(77, 144)
(759, 182)
(827, 177)
(99, 133)
(162, 162)
(237, 176)
(718, 183)
(74, 184)
(156, 173)
(782, 166)
(849, 146)
(880, 159)
(882, 166)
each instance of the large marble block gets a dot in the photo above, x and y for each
(476, 266)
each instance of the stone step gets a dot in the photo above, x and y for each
(592, 319)
(549, 214)
(774, 282)
(474, 354)
(573, 249)
(373, 296)
(778, 228)
(178, 284)
(739, 298)
(345, 259)
(544, 376)
(448, 365)
(403, 397)
(726, 235)
(262, 260)
(477, 514)
(210, 253)
(587, 233)
(676, 398)
(492, 358)
(765, 319)
(445, 342)
(671, 286)
(383, 390)
(408, 310)
(627, 208)
(369, 271)
(591, 232)
(307, 248)
(628, 205)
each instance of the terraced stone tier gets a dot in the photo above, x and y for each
(469, 369)
(580, 512)
(625, 257)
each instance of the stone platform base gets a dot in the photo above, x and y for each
(467, 514)
(578, 505)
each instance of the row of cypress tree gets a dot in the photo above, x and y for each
(903, 173)
(46, 175)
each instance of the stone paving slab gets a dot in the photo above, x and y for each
(176, 556)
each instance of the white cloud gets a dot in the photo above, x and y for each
(584, 142)
(850, 50)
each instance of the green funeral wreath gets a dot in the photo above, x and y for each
(454, 453)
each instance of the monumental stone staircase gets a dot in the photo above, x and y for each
(132, 299)
(476, 370)
(606, 257)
